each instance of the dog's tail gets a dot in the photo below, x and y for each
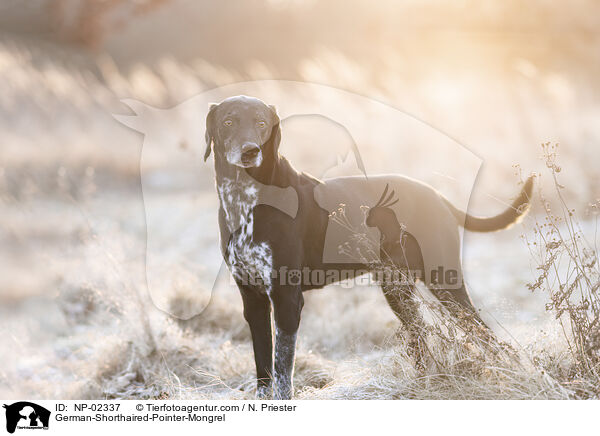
(510, 216)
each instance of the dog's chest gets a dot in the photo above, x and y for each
(250, 262)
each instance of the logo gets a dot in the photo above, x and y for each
(26, 415)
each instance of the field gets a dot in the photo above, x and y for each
(85, 199)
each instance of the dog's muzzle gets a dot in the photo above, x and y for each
(249, 155)
(250, 152)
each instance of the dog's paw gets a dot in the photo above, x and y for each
(264, 393)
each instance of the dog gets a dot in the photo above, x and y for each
(259, 239)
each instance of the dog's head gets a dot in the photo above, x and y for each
(244, 130)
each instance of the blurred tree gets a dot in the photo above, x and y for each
(87, 22)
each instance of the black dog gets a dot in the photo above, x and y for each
(275, 220)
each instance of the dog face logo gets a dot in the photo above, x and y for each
(26, 415)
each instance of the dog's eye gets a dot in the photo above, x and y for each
(261, 124)
(228, 123)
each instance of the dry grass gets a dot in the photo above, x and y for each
(569, 274)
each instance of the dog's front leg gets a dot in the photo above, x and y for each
(257, 312)
(287, 307)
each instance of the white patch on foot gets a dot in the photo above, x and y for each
(285, 352)
(264, 393)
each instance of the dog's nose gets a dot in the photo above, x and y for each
(249, 150)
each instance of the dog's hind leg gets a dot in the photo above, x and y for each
(402, 263)
(257, 312)
(400, 298)
(287, 307)
(458, 302)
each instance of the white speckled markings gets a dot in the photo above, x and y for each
(238, 198)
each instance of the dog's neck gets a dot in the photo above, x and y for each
(239, 188)
(275, 184)
(274, 171)
(238, 194)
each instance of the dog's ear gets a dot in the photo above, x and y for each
(275, 138)
(209, 136)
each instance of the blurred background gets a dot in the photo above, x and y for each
(499, 77)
